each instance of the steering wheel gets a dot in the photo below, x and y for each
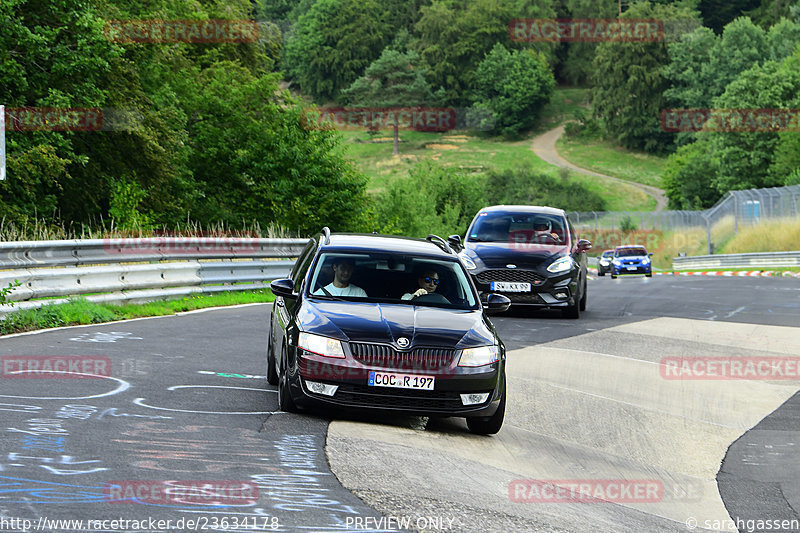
(431, 298)
(546, 238)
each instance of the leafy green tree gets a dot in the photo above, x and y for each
(688, 177)
(577, 67)
(771, 11)
(513, 86)
(454, 37)
(690, 71)
(256, 161)
(330, 45)
(744, 158)
(52, 54)
(628, 88)
(718, 13)
(392, 81)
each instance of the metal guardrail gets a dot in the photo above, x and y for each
(134, 270)
(755, 260)
(98, 251)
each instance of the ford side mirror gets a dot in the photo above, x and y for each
(284, 288)
(455, 243)
(584, 246)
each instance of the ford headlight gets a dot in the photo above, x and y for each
(564, 264)
(484, 355)
(469, 263)
(321, 345)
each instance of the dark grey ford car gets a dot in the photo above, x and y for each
(530, 254)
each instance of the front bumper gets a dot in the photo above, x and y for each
(631, 269)
(354, 392)
(552, 290)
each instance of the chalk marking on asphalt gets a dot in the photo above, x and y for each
(140, 403)
(742, 308)
(123, 386)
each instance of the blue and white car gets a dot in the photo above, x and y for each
(631, 260)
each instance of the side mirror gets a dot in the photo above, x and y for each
(650, 254)
(284, 288)
(584, 246)
(455, 243)
(497, 303)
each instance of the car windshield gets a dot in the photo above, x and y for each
(518, 228)
(631, 252)
(391, 278)
(608, 254)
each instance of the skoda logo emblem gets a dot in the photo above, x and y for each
(511, 266)
(402, 342)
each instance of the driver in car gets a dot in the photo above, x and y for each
(341, 286)
(543, 232)
(428, 281)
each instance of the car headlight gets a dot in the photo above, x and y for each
(483, 355)
(646, 261)
(469, 263)
(617, 262)
(561, 265)
(321, 345)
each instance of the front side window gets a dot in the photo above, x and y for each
(395, 278)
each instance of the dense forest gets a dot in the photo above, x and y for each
(209, 133)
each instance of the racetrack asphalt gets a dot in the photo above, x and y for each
(185, 399)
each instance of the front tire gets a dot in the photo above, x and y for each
(272, 374)
(583, 298)
(285, 400)
(489, 425)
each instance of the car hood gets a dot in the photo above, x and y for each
(386, 322)
(500, 254)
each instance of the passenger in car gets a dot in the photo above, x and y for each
(341, 286)
(428, 282)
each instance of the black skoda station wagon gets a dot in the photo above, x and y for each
(386, 323)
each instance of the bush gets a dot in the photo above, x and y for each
(627, 224)
(524, 185)
(432, 199)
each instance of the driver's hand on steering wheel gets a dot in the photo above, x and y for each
(419, 292)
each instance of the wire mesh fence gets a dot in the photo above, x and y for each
(737, 208)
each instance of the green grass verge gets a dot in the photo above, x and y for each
(80, 311)
(607, 158)
(473, 152)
